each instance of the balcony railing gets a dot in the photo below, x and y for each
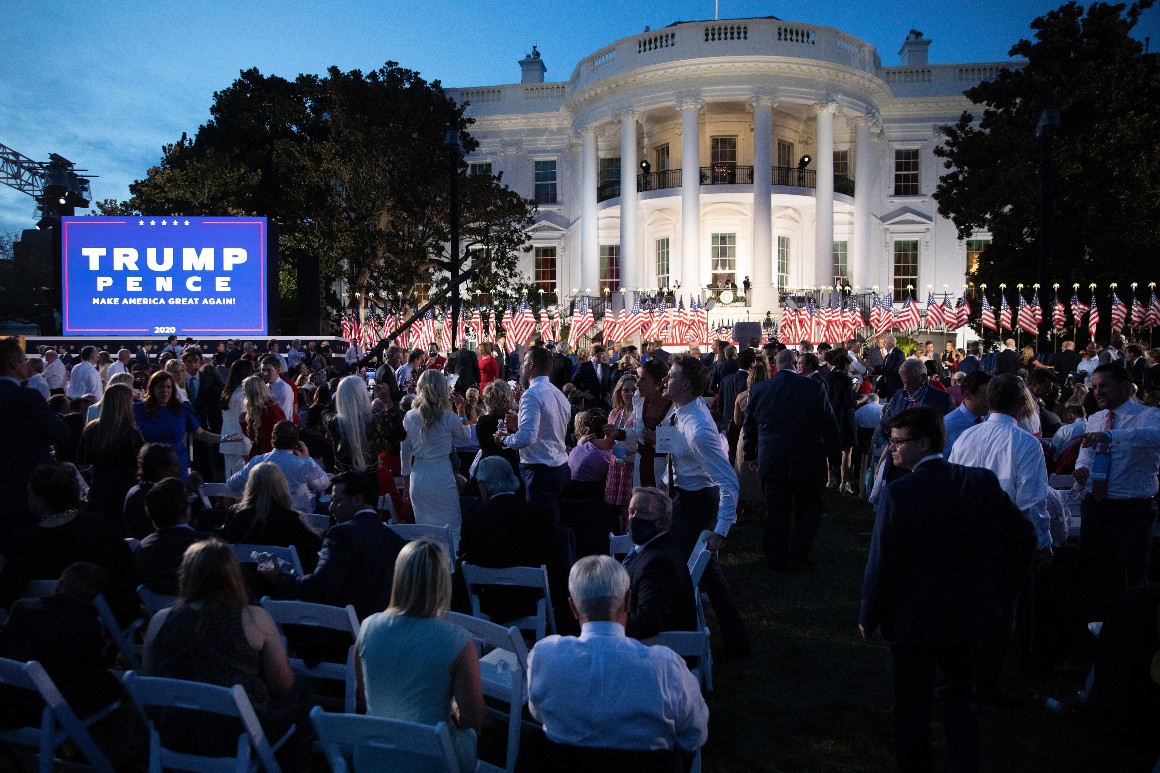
(725, 174)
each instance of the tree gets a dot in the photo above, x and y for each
(353, 169)
(1104, 225)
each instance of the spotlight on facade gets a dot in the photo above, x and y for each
(645, 166)
(805, 161)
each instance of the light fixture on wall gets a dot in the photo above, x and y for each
(804, 161)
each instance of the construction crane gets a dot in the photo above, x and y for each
(55, 184)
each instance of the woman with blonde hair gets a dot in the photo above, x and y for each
(415, 665)
(259, 415)
(110, 445)
(354, 428)
(266, 516)
(177, 370)
(432, 431)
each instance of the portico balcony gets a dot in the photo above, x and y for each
(726, 174)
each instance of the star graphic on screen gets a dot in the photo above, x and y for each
(152, 222)
(140, 222)
(187, 222)
(164, 223)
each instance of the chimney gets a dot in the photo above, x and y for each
(914, 50)
(532, 68)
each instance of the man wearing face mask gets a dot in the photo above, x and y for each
(662, 591)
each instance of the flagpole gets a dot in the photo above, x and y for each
(1055, 338)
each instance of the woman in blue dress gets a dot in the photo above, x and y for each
(163, 418)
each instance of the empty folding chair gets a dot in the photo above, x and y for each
(154, 602)
(440, 534)
(245, 554)
(542, 622)
(216, 490)
(503, 667)
(340, 734)
(321, 617)
(690, 645)
(253, 750)
(619, 545)
(317, 522)
(58, 722)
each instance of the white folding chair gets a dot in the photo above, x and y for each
(253, 749)
(503, 667)
(698, 562)
(58, 722)
(542, 622)
(440, 534)
(245, 555)
(619, 545)
(316, 522)
(154, 602)
(325, 617)
(216, 490)
(341, 734)
(691, 645)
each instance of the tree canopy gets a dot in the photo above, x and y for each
(1104, 225)
(354, 169)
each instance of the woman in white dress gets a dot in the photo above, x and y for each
(432, 431)
(232, 402)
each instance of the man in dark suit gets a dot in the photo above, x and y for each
(1009, 360)
(465, 365)
(1066, 361)
(731, 386)
(30, 430)
(206, 398)
(357, 562)
(936, 580)
(386, 383)
(594, 380)
(662, 592)
(159, 555)
(561, 367)
(508, 531)
(722, 366)
(790, 430)
(972, 361)
(889, 381)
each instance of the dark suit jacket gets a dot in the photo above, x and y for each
(466, 367)
(1152, 377)
(969, 364)
(159, 555)
(561, 370)
(1136, 371)
(790, 427)
(30, 430)
(1009, 362)
(719, 372)
(937, 575)
(585, 380)
(890, 382)
(1065, 363)
(662, 592)
(731, 386)
(355, 566)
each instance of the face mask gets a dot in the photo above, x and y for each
(641, 531)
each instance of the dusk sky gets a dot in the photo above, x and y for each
(106, 84)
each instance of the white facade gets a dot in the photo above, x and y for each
(723, 112)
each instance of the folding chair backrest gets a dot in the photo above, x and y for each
(154, 602)
(440, 534)
(495, 637)
(695, 555)
(691, 645)
(697, 565)
(316, 522)
(619, 544)
(341, 734)
(122, 638)
(514, 577)
(216, 490)
(158, 692)
(325, 617)
(58, 721)
(245, 554)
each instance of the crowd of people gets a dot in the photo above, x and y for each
(531, 457)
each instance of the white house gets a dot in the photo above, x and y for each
(776, 151)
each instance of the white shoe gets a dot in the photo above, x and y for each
(832, 483)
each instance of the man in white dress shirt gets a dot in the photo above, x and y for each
(84, 378)
(604, 690)
(1119, 513)
(54, 372)
(303, 475)
(121, 364)
(282, 392)
(538, 433)
(970, 412)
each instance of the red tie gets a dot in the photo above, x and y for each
(1100, 487)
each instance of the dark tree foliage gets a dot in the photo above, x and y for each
(353, 168)
(1105, 157)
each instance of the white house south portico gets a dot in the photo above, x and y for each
(752, 153)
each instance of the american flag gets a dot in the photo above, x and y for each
(425, 331)
(987, 316)
(545, 325)
(1078, 309)
(582, 321)
(787, 331)
(909, 318)
(1036, 308)
(634, 322)
(1139, 313)
(679, 324)
(1093, 316)
(656, 328)
(935, 312)
(1058, 315)
(348, 329)
(835, 330)
(507, 322)
(963, 313)
(557, 324)
(1004, 312)
(1119, 313)
(952, 314)
(854, 320)
(445, 332)
(477, 324)
(610, 327)
(492, 324)
(1025, 319)
(523, 325)
(885, 321)
(1154, 311)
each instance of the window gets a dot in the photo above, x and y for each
(783, 262)
(975, 249)
(723, 150)
(785, 154)
(841, 163)
(663, 262)
(905, 266)
(661, 156)
(546, 182)
(481, 168)
(609, 267)
(545, 268)
(723, 260)
(609, 170)
(841, 263)
(906, 172)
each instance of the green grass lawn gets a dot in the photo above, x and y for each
(815, 697)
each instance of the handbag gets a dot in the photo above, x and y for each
(618, 485)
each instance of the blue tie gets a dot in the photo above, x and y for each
(631, 555)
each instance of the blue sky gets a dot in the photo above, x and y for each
(107, 83)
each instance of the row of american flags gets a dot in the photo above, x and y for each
(824, 317)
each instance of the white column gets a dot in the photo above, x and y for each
(630, 272)
(860, 269)
(824, 197)
(690, 274)
(589, 233)
(764, 293)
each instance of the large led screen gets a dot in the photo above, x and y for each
(147, 276)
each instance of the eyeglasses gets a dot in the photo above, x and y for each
(900, 441)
